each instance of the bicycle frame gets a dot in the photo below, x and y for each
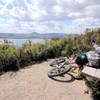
(62, 64)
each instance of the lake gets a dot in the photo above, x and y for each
(19, 42)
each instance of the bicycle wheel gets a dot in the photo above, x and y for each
(57, 72)
(57, 61)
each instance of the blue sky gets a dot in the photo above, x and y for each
(47, 16)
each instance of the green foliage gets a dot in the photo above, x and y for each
(13, 58)
(94, 85)
(7, 57)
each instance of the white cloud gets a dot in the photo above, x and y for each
(93, 11)
(7, 1)
(1, 20)
(49, 15)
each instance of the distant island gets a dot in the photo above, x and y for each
(32, 35)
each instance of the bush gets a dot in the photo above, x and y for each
(94, 85)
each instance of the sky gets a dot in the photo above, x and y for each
(48, 16)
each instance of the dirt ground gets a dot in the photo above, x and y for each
(33, 83)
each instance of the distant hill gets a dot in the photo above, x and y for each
(32, 35)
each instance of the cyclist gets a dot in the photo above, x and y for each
(82, 60)
(96, 47)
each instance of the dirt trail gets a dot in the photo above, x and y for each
(33, 84)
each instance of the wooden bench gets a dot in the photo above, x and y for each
(92, 72)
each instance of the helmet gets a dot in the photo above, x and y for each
(86, 53)
(92, 42)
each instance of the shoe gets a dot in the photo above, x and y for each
(78, 73)
(78, 78)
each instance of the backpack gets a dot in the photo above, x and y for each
(93, 59)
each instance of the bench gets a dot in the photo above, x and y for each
(91, 72)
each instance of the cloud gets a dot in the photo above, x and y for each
(1, 20)
(86, 21)
(92, 11)
(49, 15)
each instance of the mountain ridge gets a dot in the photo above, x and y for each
(33, 35)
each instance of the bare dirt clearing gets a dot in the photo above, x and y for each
(33, 84)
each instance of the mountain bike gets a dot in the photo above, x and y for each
(61, 66)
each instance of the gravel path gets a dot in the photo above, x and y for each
(33, 84)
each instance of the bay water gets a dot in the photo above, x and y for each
(19, 42)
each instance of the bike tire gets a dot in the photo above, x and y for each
(67, 69)
(57, 61)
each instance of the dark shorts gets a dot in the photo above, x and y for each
(81, 62)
